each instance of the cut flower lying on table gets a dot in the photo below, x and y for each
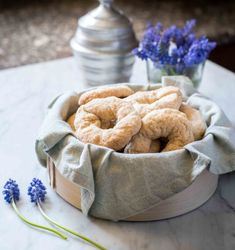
(11, 193)
(37, 193)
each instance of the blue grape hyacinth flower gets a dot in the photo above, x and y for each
(37, 193)
(175, 46)
(11, 191)
(11, 194)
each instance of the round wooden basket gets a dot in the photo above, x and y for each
(190, 198)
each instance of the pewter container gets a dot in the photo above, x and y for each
(103, 45)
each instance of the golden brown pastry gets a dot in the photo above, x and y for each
(196, 120)
(147, 101)
(167, 123)
(142, 122)
(141, 144)
(118, 91)
(93, 119)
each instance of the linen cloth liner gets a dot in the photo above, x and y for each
(115, 185)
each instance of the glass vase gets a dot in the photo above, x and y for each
(155, 72)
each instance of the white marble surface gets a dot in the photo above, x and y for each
(24, 95)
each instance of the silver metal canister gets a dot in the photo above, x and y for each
(102, 45)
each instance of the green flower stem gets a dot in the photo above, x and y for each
(36, 225)
(172, 72)
(164, 72)
(69, 230)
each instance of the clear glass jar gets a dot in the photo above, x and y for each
(156, 71)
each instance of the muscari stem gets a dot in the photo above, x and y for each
(69, 230)
(172, 72)
(36, 225)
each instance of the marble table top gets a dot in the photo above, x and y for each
(24, 95)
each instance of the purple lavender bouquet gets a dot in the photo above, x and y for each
(174, 51)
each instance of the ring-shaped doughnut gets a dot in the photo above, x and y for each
(167, 123)
(141, 144)
(102, 92)
(196, 120)
(147, 101)
(112, 110)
